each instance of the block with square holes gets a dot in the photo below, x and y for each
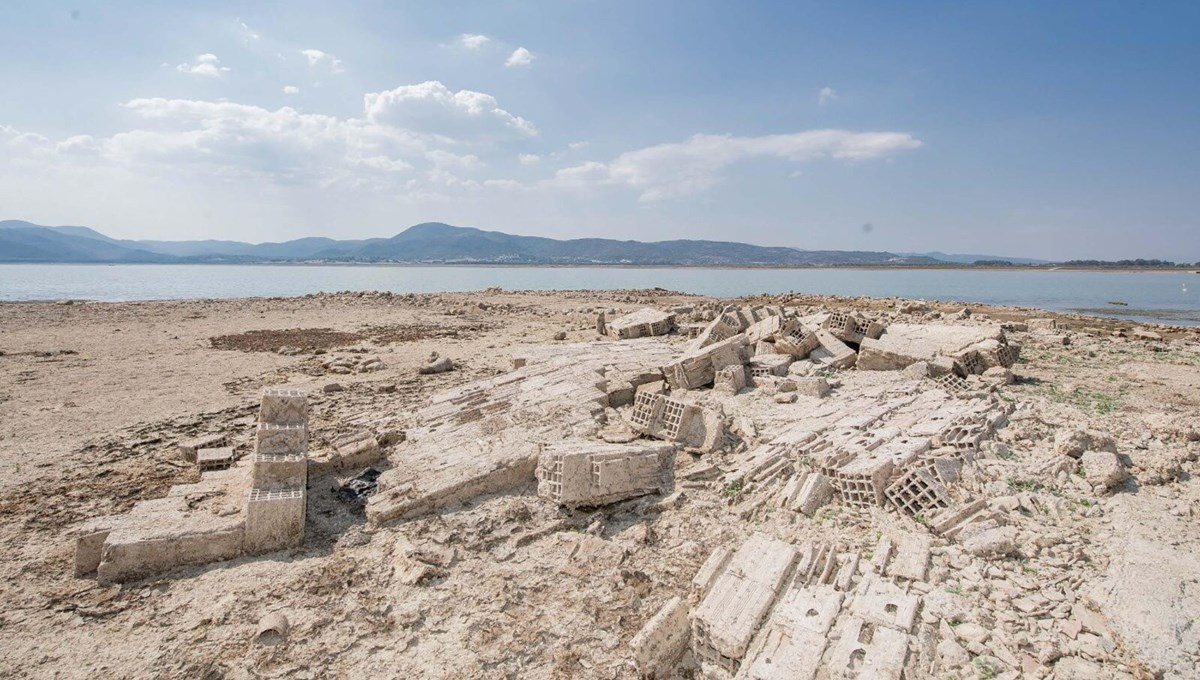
(274, 519)
(274, 438)
(918, 492)
(283, 406)
(589, 474)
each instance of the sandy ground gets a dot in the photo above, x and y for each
(94, 399)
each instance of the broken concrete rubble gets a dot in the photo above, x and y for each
(234, 510)
(925, 542)
(641, 324)
(588, 474)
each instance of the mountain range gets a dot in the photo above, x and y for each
(430, 242)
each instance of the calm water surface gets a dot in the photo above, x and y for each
(1170, 297)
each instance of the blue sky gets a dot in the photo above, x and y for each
(1053, 130)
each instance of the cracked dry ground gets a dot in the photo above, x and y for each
(94, 399)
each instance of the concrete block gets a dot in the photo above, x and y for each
(89, 543)
(273, 438)
(283, 406)
(642, 323)
(793, 640)
(796, 339)
(814, 493)
(903, 555)
(811, 387)
(866, 650)
(214, 459)
(589, 474)
(189, 447)
(274, 519)
(166, 538)
(279, 471)
(730, 380)
(905, 344)
(698, 368)
(833, 352)
(726, 620)
(861, 482)
(712, 567)
(659, 645)
(918, 492)
(765, 365)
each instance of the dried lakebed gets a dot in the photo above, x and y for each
(566, 504)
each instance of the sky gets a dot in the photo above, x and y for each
(1051, 130)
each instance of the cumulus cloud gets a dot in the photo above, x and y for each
(684, 168)
(826, 95)
(386, 148)
(519, 57)
(291, 89)
(317, 58)
(204, 65)
(433, 108)
(529, 158)
(473, 41)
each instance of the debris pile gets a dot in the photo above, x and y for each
(234, 509)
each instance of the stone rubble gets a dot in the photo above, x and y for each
(882, 525)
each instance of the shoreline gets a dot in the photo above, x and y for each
(1079, 319)
(747, 267)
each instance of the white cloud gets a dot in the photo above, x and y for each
(388, 148)
(679, 169)
(248, 33)
(82, 145)
(317, 57)
(473, 41)
(519, 57)
(575, 146)
(204, 65)
(291, 89)
(433, 108)
(826, 95)
(529, 158)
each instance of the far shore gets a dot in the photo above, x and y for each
(525, 265)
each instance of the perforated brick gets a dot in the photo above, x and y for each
(918, 492)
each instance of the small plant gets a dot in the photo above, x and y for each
(954, 590)
(987, 667)
(734, 488)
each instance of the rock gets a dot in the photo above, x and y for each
(811, 387)
(999, 375)
(1103, 468)
(917, 370)
(1145, 334)
(1074, 442)
(952, 654)
(440, 365)
(801, 368)
(330, 388)
(785, 398)
(561, 335)
(992, 543)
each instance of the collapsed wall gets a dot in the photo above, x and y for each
(238, 510)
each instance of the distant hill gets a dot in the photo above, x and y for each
(431, 242)
(961, 258)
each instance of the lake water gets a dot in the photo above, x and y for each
(1168, 297)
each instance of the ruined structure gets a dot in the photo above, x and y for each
(233, 509)
(643, 323)
(583, 473)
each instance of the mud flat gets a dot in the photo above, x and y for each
(595, 484)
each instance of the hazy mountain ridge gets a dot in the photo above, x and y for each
(430, 242)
